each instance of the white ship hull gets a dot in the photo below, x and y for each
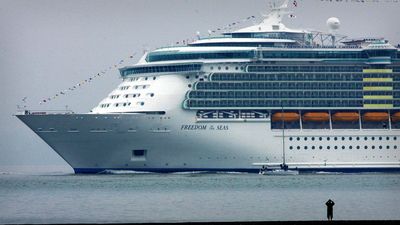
(94, 143)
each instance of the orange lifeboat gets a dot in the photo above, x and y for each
(345, 117)
(396, 117)
(375, 116)
(286, 117)
(316, 117)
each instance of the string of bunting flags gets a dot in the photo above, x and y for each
(103, 72)
(362, 1)
(84, 82)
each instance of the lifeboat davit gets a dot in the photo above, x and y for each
(286, 117)
(345, 117)
(376, 116)
(316, 117)
(396, 117)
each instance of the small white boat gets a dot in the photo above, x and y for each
(279, 172)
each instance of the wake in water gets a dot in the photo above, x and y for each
(123, 172)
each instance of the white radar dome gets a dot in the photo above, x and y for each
(333, 23)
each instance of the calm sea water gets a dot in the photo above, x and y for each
(134, 197)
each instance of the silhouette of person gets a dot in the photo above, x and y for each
(329, 204)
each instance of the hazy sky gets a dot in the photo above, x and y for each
(49, 45)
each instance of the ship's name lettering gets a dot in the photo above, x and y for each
(204, 127)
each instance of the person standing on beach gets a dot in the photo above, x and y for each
(329, 204)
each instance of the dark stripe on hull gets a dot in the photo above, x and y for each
(208, 170)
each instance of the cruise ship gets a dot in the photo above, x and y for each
(261, 96)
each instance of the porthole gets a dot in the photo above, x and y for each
(343, 138)
(380, 138)
(305, 147)
(241, 68)
(142, 103)
(298, 147)
(328, 147)
(395, 147)
(134, 95)
(394, 138)
(154, 78)
(320, 147)
(373, 138)
(146, 78)
(236, 68)
(350, 147)
(313, 139)
(343, 147)
(365, 147)
(335, 147)
(290, 139)
(335, 138)
(380, 147)
(189, 85)
(291, 147)
(151, 95)
(328, 138)
(298, 138)
(358, 147)
(219, 68)
(313, 147)
(320, 138)
(212, 68)
(387, 138)
(226, 68)
(305, 138)
(350, 138)
(357, 138)
(387, 147)
(373, 146)
(187, 77)
(197, 77)
(124, 104)
(365, 138)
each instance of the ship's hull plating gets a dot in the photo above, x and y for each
(92, 143)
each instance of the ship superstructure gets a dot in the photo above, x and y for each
(220, 104)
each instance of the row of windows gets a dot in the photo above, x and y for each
(315, 54)
(343, 147)
(280, 94)
(122, 104)
(160, 69)
(290, 94)
(284, 85)
(297, 77)
(134, 87)
(168, 56)
(339, 68)
(343, 138)
(135, 95)
(285, 103)
(287, 77)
